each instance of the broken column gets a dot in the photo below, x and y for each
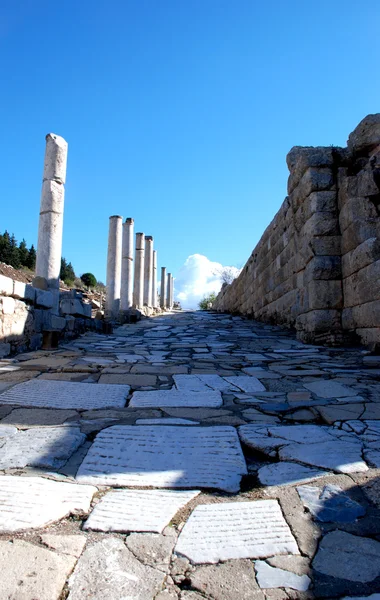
(163, 288)
(49, 248)
(154, 290)
(114, 266)
(126, 292)
(138, 282)
(171, 291)
(148, 270)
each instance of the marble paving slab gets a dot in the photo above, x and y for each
(40, 447)
(203, 382)
(31, 502)
(165, 457)
(66, 394)
(175, 398)
(234, 530)
(246, 383)
(137, 510)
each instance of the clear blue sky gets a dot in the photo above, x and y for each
(178, 113)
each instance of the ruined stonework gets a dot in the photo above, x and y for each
(317, 265)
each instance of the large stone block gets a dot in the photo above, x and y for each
(363, 316)
(6, 286)
(75, 307)
(7, 305)
(369, 336)
(323, 267)
(301, 158)
(366, 136)
(354, 209)
(320, 223)
(367, 184)
(362, 256)
(319, 320)
(325, 294)
(44, 298)
(24, 291)
(363, 286)
(328, 245)
(358, 232)
(313, 180)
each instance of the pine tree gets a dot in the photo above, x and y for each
(31, 260)
(70, 273)
(14, 259)
(23, 253)
(5, 248)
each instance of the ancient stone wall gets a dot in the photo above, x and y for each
(317, 265)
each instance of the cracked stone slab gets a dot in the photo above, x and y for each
(166, 456)
(33, 571)
(233, 579)
(108, 569)
(233, 530)
(318, 446)
(31, 502)
(137, 510)
(329, 389)
(27, 417)
(203, 382)
(42, 393)
(176, 398)
(153, 549)
(288, 473)
(40, 447)
(348, 556)
(330, 504)
(246, 383)
(65, 544)
(273, 577)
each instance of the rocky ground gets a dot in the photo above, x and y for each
(186, 457)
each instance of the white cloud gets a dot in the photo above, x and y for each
(196, 278)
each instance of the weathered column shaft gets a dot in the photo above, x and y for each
(114, 266)
(171, 291)
(148, 270)
(163, 288)
(126, 292)
(168, 291)
(49, 247)
(154, 289)
(138, 283)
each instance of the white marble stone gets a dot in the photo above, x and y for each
(7, 431)
(230, 530)
(313, 445)
(40, 447)
(203, 382)
(66, 394)
(31, 502)
(246, 383)
(165, 456)
(272, 577)
(287, 473)
(174, 398)
(137, 510)
(113, 281)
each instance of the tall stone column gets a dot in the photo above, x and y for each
(138, 282)
(163, 288)
(148, 270)
(168, 292)
(154, 290)
(126, 293)
(171, 291)
(49, 247)
(113, 282)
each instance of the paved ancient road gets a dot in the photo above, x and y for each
(190, 456)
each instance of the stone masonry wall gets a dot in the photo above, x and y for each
(317, 265)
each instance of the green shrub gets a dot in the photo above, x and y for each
(203, 304)
(89, 280)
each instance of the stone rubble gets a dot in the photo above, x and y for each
(246, 466)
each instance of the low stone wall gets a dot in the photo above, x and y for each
(317, 265)
(25, 314)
